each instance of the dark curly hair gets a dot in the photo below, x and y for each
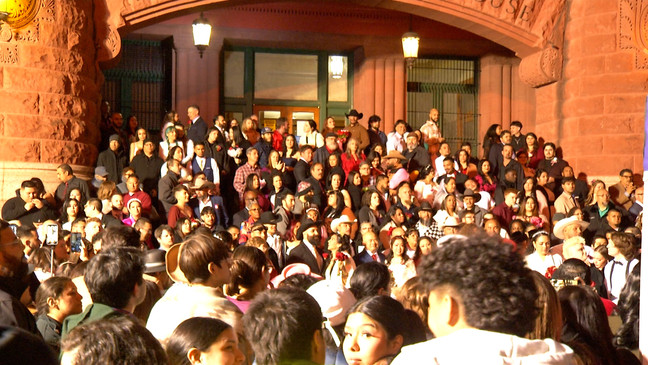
(628, 308)
(492, 282)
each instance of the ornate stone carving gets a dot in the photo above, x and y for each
(8, 53)
(109, 44)
(30, 33)
(633, 29)
(5, 33)
(542, 68)
(48, 10)
(545, 67)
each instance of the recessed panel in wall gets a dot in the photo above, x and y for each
(285, 76)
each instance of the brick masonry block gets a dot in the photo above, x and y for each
(624, 103)
(619, 62)
(62, 106)
(75, 153)
(582, 106)
(22, 102)
(20, 149)
(28, 79)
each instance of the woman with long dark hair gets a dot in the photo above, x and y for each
(486, 180)
(628, 308)
(371, 210)
(354, 187)
(529, 213)
(336, 208)
(491, 138)
(532, 149)
(253, 183)
(131, 126)
(465, 166)
(71, 211)
(531, 189)
(334, 166)
(586, 328)
(249, 275)
(239, 145)
(399, 264)
(335, 182)
(137, 145)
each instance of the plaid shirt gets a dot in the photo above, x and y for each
(242, 174)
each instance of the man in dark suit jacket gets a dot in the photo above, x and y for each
(198, 129)
(316, 180)
(370, 253)
(243, 214)
(202, 189)
(302, 167)
(307, 252)
(167, 183)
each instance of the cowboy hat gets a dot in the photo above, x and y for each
(469, 193)
(154, 261)
(354, 113)
(204, 184)
(450, 222)
(172, 264)
(563, 223)
(306, 225)
(395, 154)
(269, 218)
(426, 207)
(343, 219)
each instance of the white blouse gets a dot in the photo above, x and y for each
(535, 263)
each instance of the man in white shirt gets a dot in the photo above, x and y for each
(396, 139)
(481, 317)
(444, 150)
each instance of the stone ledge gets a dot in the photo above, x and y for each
(12, 174)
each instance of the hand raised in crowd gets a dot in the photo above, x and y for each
(38, 203)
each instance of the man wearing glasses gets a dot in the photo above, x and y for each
(623, 192)
(13, 283)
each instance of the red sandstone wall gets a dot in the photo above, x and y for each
(48, 94)
(503, 97)
(596, 112)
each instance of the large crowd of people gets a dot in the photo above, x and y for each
(231, 242)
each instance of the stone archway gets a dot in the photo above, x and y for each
(533, 30)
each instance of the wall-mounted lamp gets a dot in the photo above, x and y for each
(410, 42)
(201, 33)
(336, 66)
(18, 13)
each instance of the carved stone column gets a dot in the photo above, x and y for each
(48, 93)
